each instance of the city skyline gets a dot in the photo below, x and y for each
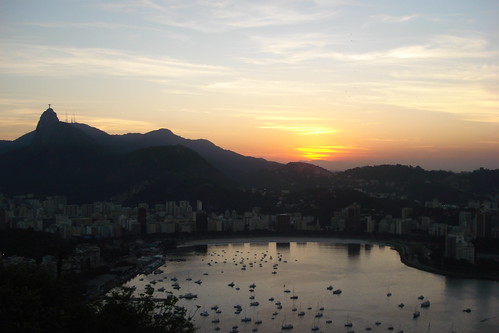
(347, 82)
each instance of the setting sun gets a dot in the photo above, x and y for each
(322, 152)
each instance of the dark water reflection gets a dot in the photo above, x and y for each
(365, 273)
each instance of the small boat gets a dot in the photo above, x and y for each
(253, 286)
(330, 288)
(215, 321)
(198, 281)
(287, 326)
(301, 313)
(337, 292)
(425, 304)
(401, 305)
(258, 321)
(188, 296)
(246, 319)
(416, 314)
(467, 310)
(204, 313)
(421, 297)
(232, 284)
(255, 303)
(348, 323)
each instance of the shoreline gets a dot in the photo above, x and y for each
(403, 251)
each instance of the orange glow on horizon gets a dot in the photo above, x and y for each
(323, 152)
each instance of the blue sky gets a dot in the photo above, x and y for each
(345, 82)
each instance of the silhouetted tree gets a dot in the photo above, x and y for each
(32, 301)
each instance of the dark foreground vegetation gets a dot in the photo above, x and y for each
(33, 301)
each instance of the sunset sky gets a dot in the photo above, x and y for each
(349, 82)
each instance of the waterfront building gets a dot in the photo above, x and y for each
(370, 224)
(283, 223)
(482, 224)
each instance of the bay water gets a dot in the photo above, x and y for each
(284, 282)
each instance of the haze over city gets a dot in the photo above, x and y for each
(339, 83)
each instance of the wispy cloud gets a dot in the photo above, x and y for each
(247, 86)
(394, 19)
(218, 16)
(292, 49)
(71, 61)
(112, 26)
(304, 129)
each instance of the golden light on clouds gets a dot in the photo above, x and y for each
(116, 125)
(300, 129)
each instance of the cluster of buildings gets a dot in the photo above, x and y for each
(112, 220)
(481, 221)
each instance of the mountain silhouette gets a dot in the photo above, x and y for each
(87, 164)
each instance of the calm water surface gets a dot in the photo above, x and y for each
(365, 273)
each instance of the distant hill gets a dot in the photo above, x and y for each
(419, 184)
(293, 176)
(233, 164)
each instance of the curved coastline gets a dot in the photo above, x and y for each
(405, 250)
